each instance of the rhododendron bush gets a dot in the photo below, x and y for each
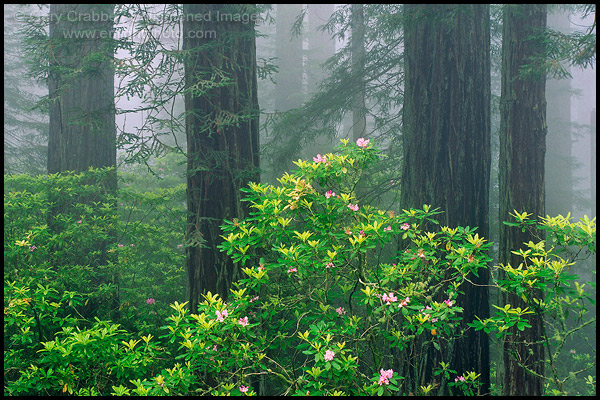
(334, 297)
(342, 312)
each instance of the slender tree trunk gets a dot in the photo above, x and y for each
(222, 134)
(446, 142)
(559, 162)
(288, 47)
(359, 119)
(593, 160)
(521, 176)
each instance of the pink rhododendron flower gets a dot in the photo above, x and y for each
(243, 389)
(459, 378)
(329, 193)
(32, 248)
(221, 315)
(292, 269)
(389, 228)
(362, 142)
(340, 310)
(448, 302)
(404, 226)
(329, 355)
(319, 159)
(120, 245)
(80, 221)
(243, 321)
(384, 376)
(353, 207)
(150, 301)
(329, 265)
(403, 302)
(389, 298)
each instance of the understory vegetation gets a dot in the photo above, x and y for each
(334, 297)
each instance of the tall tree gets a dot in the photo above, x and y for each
(559, 162)
(288, 50)
(25, 127)
(82, 130)
(359, 118)
(446, 139)
(222, 134)
(521, 174)
(81, 89)
(320, 44)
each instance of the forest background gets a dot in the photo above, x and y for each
(148, 98)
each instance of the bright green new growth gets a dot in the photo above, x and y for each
(336, 297)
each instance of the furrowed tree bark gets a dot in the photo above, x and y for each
(82, 130)
(446, 143)
(81, 90)
(222, 134)
(521, 175)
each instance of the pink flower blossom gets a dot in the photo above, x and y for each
(389, 298)
(320, 159)
(385, 375)
(329, 265)
(80, 221)
(403, 302)
(243, 321)
(329, 355)
(389, 228)
(150, 301)
(448, 302)
(459, 378)
(340, 310)
(32, 248)
(120, 245)
(329, 193)
(221, 315)
(405, 226)
(362, 142)
(292, 269)
(131, 245)
(243, 389)
(353, 207)
(253, 299)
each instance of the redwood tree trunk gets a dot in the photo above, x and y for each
(446, 140)
(81, 89)
(222, 134)
(521, 176)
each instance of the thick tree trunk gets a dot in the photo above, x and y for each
(521, 175)
(82, 126)
(82, 111)
(446, 140)
(222, 134)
